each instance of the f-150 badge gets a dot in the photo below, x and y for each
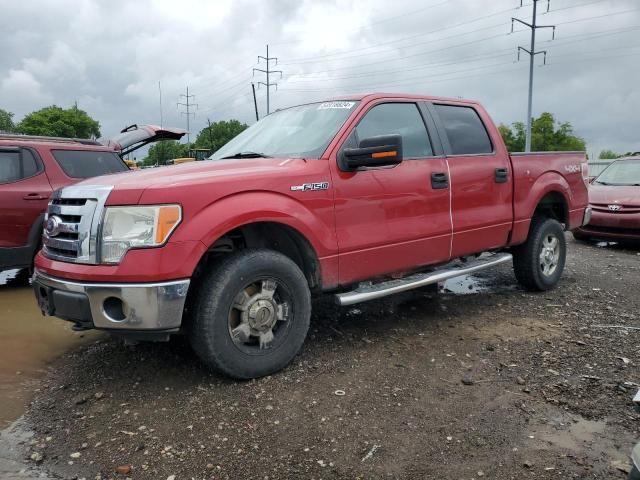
(310, 186)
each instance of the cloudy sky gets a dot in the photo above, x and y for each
(110, 55)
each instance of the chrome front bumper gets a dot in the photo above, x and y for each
(127, 306)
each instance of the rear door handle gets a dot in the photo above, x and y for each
(35, 196)
(439, 180)
(502, 175)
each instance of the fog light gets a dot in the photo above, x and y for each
(114, 309)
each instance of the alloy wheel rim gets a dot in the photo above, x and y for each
(549, 255)
(259, 316)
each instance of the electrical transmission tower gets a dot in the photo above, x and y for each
(532, 53)
(268, 72)
(188, 105)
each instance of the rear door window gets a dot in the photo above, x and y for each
(86, 163)
(29, 164)
(465, 131)
(16, 165)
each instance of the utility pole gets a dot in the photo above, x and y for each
(160, 97)
(210, 136)
(532, 53)
(268, 71)
(255, 102)
(187, 104)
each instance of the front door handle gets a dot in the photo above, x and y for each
(35, 196)
(502, 175)
(439, 180)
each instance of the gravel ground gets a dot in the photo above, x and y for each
(501, 384)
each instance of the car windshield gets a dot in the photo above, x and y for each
(621, 172)
(297, 132)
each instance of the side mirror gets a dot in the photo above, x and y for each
(379, 151)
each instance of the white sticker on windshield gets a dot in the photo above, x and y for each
(326, 105)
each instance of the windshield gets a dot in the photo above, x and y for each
(622, 172)
(299, 132)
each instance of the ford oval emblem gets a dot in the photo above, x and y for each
(52, 227)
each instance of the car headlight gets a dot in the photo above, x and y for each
(140, 226)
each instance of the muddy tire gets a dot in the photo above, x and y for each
(250, 314)
(538, 263)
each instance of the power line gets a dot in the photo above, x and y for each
(508, 68)
(268, 72)
(532, 53)
(187, 104)
(321, 76)
(314, 58)
(225, 99)
(348, 54)
(231, 78)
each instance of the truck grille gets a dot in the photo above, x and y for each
(72, 222)
(604, 207)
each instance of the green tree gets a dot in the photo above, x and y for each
(59, 122)
(546, 135)
(219, 133)
(165, 150)
(6, 122)
(608, 154)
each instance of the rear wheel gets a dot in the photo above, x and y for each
(250, 314)
(539, 262)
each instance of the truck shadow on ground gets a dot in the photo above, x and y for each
(410, 314)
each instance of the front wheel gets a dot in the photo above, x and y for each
(250, 314)
(539, 262)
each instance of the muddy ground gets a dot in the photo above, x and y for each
(500, 384)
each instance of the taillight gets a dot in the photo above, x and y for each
(585, 173)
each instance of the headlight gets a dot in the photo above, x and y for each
(136, 227)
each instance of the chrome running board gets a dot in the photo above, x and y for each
(379, 290)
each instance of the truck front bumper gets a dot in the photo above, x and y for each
(122, 307)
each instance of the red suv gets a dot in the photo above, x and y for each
(31, 168)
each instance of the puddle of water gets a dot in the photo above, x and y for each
(28, 341)
(464, 285)
(12, 462)
(575, 435)
(605, 244)
(581, 436)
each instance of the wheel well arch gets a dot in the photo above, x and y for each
(554, 205)
(272, 235)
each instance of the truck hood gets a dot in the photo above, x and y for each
(610, 194)
(129, 186)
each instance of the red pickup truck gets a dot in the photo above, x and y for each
(361, 197)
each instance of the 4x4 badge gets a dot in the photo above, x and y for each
(310, 186)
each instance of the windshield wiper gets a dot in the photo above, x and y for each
(601, 182)
(246, 155)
